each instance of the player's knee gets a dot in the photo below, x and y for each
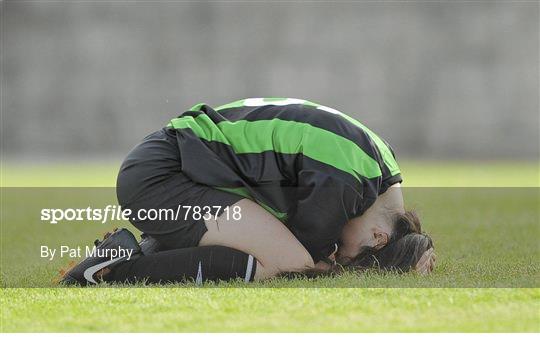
(296, 262)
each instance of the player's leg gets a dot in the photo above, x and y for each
(261, 235)
(151, 178)
(147, 182)
(119, 259)
(256, 246)
(256, 233)
(199, 264)
(256, 236)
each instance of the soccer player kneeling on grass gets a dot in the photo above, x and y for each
(298, 188)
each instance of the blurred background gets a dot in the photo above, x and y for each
(437, 80)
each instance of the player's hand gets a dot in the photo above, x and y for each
(426, 264)
(323, 265)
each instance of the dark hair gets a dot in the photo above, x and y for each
(404, 249)
(401, 254)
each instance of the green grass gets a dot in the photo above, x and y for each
(486, 238)
(347, 310)
(416, 174)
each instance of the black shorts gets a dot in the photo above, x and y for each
(151, 178)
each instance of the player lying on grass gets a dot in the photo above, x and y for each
(297, 187)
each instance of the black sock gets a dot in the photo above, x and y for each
(197, 264)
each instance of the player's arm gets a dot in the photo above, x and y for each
(325, 205)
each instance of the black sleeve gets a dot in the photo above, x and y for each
(324, 205)
(389, 181)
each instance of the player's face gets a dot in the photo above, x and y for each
(361, 232)
(373, 235)
(375, 226)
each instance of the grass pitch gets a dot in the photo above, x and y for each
(477, 246)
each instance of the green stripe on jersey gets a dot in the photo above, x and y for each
(287, 137)
(385, 151)
(386, 154)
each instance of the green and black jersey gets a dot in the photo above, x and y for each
(311, 166)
